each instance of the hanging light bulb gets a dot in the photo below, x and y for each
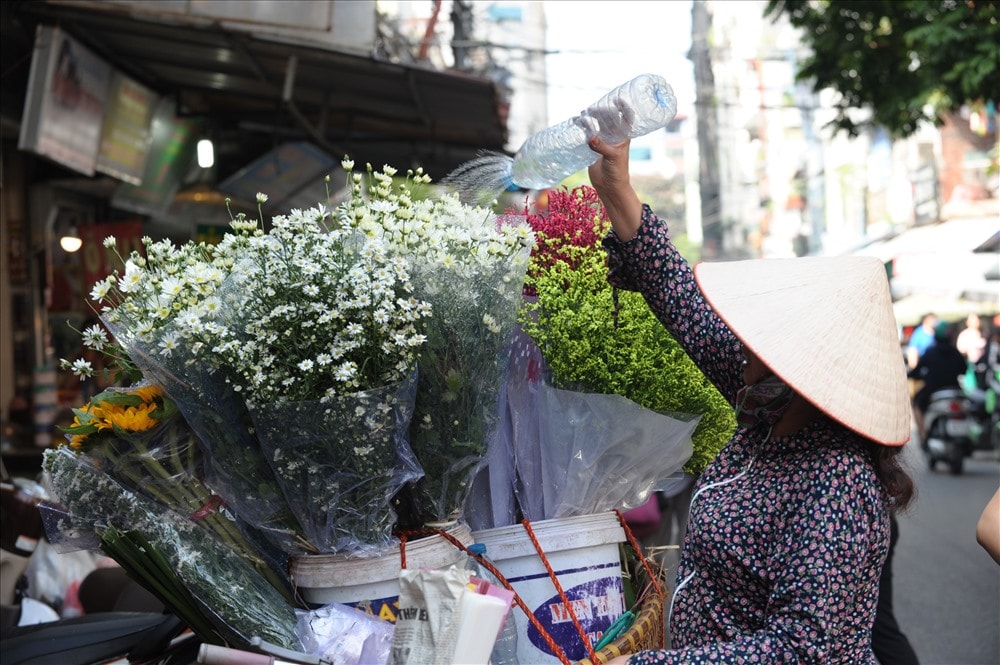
(206, 154)
(71, 240)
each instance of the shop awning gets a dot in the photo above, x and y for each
(951, 261)
(910, 310)
(256, 93)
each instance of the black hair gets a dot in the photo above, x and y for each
(896, 481)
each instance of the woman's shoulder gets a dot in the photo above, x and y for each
(831, 472)
(827, 449)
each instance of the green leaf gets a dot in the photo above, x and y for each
(892, 56)
(118, 397)
(167, 410)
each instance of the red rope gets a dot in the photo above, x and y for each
(402, 549)
(553, 646)
(549, 641)
(654, 579)
(562, 594)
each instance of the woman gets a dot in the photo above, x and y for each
(789, 525)
(970, 341)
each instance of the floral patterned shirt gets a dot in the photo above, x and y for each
(786, 535)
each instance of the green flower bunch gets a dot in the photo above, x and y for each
(594, 339)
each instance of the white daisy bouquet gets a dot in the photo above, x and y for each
(160, 292)
(471, 269)
(318, 331)
(291, 352)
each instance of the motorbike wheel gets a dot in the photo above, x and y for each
(956, 464)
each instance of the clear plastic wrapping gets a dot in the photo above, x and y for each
(580, 453)
(339, 463)
(471, 269)
(138, 437)
(234, 603)
(234, 465)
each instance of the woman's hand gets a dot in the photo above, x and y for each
(609, 176)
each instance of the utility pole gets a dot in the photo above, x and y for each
(708, 133)
(462, 22)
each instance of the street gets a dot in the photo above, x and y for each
(947, 589)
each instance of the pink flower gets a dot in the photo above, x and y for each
(571, 219)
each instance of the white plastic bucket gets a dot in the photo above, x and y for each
(371, 584)
(584, 554)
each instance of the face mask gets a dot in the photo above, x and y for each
(765, 401)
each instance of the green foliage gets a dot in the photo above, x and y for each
(898, 57)
(588, 347)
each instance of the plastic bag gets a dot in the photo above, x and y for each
(344, 635)
(235, 466)
(604, 452)
(231, 599)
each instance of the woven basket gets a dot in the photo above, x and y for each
(646, 632)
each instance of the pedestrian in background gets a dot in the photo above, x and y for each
(921, 339)
(941, 366)
(971, 343)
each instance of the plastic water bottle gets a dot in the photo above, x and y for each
(548, 157)
(633, 109)
(505, 649)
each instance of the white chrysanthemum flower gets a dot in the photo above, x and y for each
(190, 322)
(171, 287)
(132, 277)
(345, 372)
(101, 289)
(110, 242)
(261, 198)
(305, 365)
(82, 368)
(94, 338)
(169, 343)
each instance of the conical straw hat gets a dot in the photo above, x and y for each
(824, 325)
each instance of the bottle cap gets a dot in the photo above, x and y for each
(477, 548)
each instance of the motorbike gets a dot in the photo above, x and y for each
(961, 421)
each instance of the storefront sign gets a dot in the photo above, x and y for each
(127, 133)
(282, 173)
(169, 159)
(64, 109)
